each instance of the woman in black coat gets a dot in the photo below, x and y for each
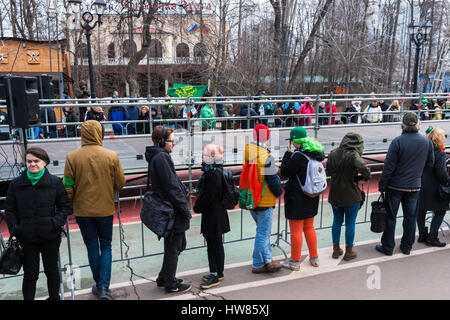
(429, 199)
(36, 210)
(214, 215)
(299, 208)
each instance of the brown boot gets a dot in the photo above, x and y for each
(337, 251)
(349, 253)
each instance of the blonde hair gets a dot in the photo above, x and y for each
(437, 136)
(212, 153)
(145, 107)
(395, 103)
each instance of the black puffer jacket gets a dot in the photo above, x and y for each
(37, 213)
(215, 220)
(167, 185)
(297, 205)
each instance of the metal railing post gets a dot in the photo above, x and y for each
(316, 125)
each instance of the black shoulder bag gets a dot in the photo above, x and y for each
(11, 257)
(378, 215)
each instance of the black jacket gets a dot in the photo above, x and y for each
(167, 185)
(51, 118)
(71, 116)
(407, 156)
(244, 113)
(37, 213)
(214, 215)
(92, 115)
(297, 205)
(431, 179)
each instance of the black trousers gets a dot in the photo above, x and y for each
(50, 254)
(435, 224)
(216, 254)
(173, 246)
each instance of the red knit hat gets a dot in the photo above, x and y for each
(261, 133)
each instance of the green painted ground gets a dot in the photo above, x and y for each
(141, 241)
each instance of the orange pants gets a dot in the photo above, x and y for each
(298, 227)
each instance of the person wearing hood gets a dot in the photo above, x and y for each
(168, 186)
(344, 166)
(133, 114)
(244, 113)
(299, 208)
(91, 175)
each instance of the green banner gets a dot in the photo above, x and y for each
(186, 90)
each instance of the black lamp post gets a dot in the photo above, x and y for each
(100, 6)
(418, 34)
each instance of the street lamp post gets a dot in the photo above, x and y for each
(418, 33)
(100, 6)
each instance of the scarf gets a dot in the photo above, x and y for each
(205, 168)
(35, 177)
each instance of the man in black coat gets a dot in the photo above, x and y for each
(48, 116)
(405, 161)
(167, 185)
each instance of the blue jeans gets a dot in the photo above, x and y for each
(349, 212)
(409, 202)
(97, 236)
(262, 251)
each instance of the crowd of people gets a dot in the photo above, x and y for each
(38, 203)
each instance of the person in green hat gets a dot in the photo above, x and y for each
(300, 209)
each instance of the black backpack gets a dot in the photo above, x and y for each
(230, 197)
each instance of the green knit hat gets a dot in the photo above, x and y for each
(297, 134)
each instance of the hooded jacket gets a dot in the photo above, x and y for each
(167, 185)
(343, 166)
(92, 173)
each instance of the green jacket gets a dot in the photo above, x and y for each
(208, 112)
(343, 166)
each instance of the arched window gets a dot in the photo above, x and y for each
(111, 51)
(155, 49)
(182, 50)
(129, 48)
(200, 50)
(83, 50)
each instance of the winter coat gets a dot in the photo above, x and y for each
(169, 112)
(353, 118)
(215, 220)
(373, 114)
(384, 106)
(72, 116)
(333, 114)
(432, 177)
(244, 113)
(207, 112)
(167, 185)
(289, 122)
(92, 173)
(118, 114)
(51, 118)
(143, 127)
(407, 156)
(133, 113)
(92, 115)
(306, 109)
(36, 213)
(297, 205)
(343, 165)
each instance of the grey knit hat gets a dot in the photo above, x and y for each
(410, 119)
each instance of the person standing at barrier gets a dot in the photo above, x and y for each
(429, 192)
(257, 151)
(343, 166)
(244, 112)
(144, 127)
(133, 113)
(373, 113)
(214, 215)
(307, 108)
(299, 208)
(168, 186)
(96, 113)
(394, 117)
(91, 176)
(71, 115)
(407, 156)
(36, 210)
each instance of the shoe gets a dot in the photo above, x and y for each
(381, 249)
(423, 236)
(208, 276)
(95, 290)
(349, 253)
(104, 294)
(180, 288)
(404, 251)
(314, 261)
(291, 264)
(337, 251)
(162, 283)
(211, 282)
(262, 269)
(273, 266)
(433, 241)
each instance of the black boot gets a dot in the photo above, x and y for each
(433, 241)
(423, 236)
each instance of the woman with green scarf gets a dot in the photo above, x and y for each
(36, 210)
(299, 208)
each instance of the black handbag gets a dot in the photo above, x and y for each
(444, 192)
(12, 257)
(157, 214)
(378, 215)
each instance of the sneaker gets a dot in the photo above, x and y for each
(291, 264)
(314, 262)
(211, 282)
(180, 288)
(162, 283)
(209, 276)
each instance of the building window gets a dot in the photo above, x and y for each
(111, 51)
(155, 49)
(200, 50)
(182, 50)
(129, 48)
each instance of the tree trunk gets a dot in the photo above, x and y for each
(393, 53)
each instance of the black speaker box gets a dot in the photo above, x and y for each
(45, 87)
